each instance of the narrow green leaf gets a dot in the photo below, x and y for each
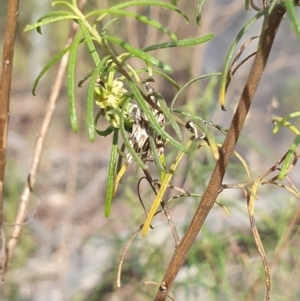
(60, 13)
(155, 71)
(229, 55)
(289, 158)
(137, 53)
(48, 66)
(72, 5)
(198, 118)
(152, 3)
(180, 43)
(71, 81)
(121, 153)
(81, 82)
(247, 2)
(107, 25)
(199, 10)
(192, 116)
(291, 153)
(88, 75)
(111, 174)
(168, 78)
(48, 21)
(90, 44)
(283, 121)
(141, 18)
(188, 84)
(106, 132)
(168, 115)
(290, 8)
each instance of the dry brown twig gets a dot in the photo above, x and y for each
(250, 206)
(124, 254)
(5, 86)
(234, 65)
(254, 6)
(169, 219)
(279, 249)
(273, 168)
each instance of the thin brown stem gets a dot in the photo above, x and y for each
(254, 6)
(259, 245)
(124, 254)
(234, 65)
(5, 85)
(215, 183)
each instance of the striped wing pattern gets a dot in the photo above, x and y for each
(139, 137)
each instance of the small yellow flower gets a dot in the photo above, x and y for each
(109, 97)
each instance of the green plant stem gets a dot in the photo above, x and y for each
(215, 184)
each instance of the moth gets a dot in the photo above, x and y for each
(139, 137)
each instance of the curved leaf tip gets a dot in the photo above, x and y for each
(222, 99)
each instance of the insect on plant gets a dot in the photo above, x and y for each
(136, 112)
(143, 143)
(139, 115)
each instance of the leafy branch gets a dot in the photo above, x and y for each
(142, 124)
(106, 90)
(271, 24)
